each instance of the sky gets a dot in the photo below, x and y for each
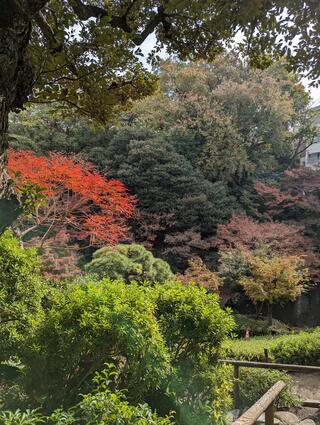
(149, 43)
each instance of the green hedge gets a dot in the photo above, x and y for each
(251, 349)
(300, 348)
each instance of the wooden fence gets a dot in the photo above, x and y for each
(264, 365)
(264, 404)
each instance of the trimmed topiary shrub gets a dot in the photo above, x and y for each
(129, 262)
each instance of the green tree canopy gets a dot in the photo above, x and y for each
(178, 207)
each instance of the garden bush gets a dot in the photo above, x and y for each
(255, 382)
(194, 326)
(251, 349)
(296, 348)
(302, 348)
(87, 325)
(21, 291)
(164, 340)
(102, 406)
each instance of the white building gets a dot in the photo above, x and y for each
(312, 153)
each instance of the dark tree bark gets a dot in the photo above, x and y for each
(16, 81)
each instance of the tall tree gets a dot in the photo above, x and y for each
(294, 197)
(274, 279)
(180, 207)
(75, 51)
(232, 122)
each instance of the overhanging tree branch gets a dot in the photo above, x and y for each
(36, 5)
(151, 26)
(85, 12)
(54, 45)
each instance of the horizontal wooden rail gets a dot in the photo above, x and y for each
(279, 366)
(264, 404)
(311, 403)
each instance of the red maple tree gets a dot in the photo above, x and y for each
(69, 193)
(296, 195)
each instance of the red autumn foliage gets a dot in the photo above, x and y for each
(245, 233)
(297, 194)
(74, 197)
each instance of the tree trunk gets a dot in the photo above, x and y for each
(269, 314)
(16, 80)
(9, 205)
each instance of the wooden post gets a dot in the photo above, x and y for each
(262, 405)
(269, 415)
(236, 391)
(266, 355)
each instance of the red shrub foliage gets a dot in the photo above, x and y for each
(74, 196)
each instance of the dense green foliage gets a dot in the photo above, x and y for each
(254, 383)
(295, 348)
(21, 292)
(258, 327)
(88, 325)
(251, 349)
(303, 348)
(102, 406)
(128, 262)
(156, 345)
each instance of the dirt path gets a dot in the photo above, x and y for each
(307, 385)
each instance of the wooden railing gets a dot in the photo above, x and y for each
(264, 404)
(264, 365)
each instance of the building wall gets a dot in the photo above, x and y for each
(312, 154)
(303, 312)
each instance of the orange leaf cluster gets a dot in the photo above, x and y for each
(77, 196)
